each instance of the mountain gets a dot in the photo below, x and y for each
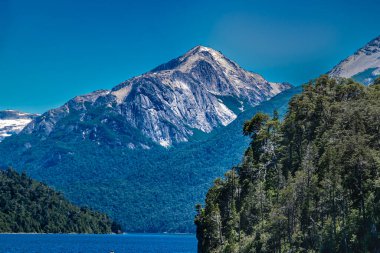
(12, 122)
(199, 91)
(28, 206)
(110, 149)
(363, 66)
(100, 154)
(307, 184)
(145, 190)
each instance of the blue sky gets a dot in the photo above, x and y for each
(51, 51)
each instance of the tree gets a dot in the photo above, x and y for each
(309, 183)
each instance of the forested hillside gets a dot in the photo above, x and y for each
(28, 206)
(308, 184)
(145, 190)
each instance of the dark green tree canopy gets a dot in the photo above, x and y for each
(308, 184)
(28, 206)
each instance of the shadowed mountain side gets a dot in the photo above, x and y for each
(151, 191)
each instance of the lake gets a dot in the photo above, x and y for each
(73, 243)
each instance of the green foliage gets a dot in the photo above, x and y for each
(308, 184)
(28, 206)
(145, 190)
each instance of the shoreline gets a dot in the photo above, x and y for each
(21, 233)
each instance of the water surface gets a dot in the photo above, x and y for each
(72, 243)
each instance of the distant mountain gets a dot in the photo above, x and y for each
(363, 66)
(146, 190)
(197, 92)
(146, 151)
(110, 149)
(12, 122)
(28, 206)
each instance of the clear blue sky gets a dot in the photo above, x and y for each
(51, 51)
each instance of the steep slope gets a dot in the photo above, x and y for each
(146, 191)
(27, 206)
(307, 184)
(363, 66)
(12, 122)
(92, 150)
(95, 147)
(199, 91)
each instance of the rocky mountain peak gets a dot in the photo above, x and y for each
(185, 62)
(363, 65)
(198, 91)
(199, 49)
(374, 44)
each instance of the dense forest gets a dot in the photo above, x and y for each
(309, 183)
(28, 206)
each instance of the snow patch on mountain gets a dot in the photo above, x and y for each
(364, 64)
(12, 122)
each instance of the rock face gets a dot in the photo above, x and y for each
(12, 122)
(199, 91)
(363, 66)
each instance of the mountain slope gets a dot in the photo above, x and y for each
(199, 91)
(27, 206)
(91, 149)
(94, 148)
(146, 191)
(12, 122)
(363, 66)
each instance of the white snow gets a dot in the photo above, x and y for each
(225, 115)
(10, 126)
(15, 123)
(164, 143)
(241, 108)
(358, 63)
(365, 58)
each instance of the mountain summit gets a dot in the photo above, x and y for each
(363, 65)
(94, 148)
(199, 91)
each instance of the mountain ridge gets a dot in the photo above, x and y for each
(363, 65)
(144, 190)
(171, 101)
(109, 167)
(95, 150)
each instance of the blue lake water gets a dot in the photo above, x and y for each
(70, 243)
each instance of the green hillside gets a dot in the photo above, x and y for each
(310, 183)
(145, 190)
(27, 206)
